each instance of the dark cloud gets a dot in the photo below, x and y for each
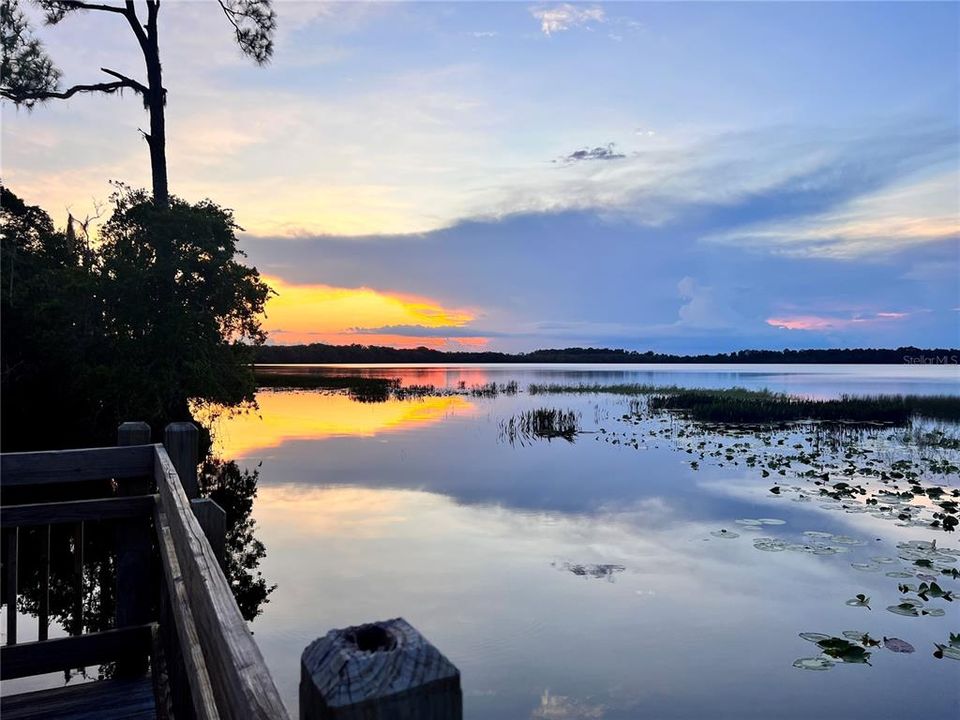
(460, 331)
(601, 152)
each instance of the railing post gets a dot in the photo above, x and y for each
(380, 671)
(135, 584)
(182, 441)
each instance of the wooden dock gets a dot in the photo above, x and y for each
(179, 647)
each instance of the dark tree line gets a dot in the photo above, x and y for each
(159, 314)
(321, 353)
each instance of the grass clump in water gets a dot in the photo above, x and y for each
(737, 405)
(541, 423)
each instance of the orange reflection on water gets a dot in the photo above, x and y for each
(442, 377)
(286, 416)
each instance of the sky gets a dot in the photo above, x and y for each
(680, 177)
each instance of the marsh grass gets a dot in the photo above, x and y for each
(740, 405)
(597, 389)
(737, 405)
(541, 424)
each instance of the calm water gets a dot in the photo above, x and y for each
(578, 580)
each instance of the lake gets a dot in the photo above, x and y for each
(606, 577)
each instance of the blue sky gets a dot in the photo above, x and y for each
(668, 176)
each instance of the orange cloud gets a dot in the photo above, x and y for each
(328, 314)
(824, 322)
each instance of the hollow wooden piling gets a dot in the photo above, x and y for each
(379, 671)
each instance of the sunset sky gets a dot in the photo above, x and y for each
(682, 177)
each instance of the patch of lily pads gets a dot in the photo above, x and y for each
(855, 648)
(816, 544)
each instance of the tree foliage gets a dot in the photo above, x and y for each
(25, 68)
(88, 343)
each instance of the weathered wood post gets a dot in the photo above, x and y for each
(379, 671)
(135, 584)
(182, 441)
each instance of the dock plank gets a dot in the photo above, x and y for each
(101, 700)
(60, 466)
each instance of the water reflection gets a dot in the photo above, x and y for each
(688, 621)
(501, 555)
(820, 381)
(289, 416)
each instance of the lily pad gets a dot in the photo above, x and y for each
(814, 637)
(943, 651)
(769, 545)
(897, 645)
(904, 609)
(815, 663)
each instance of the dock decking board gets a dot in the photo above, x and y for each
(101, 700)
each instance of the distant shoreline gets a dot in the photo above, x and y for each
(321, 354)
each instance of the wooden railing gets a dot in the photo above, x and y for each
(204, 660)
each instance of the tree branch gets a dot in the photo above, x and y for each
(130, 82)
(19, 97)
(78, 5)
(130, 12)
(22, 96)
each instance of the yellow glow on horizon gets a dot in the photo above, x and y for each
(324, 313)
(289, 416)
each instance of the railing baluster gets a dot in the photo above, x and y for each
(44, 628)
(78, 537)
(132, 549)
(13, 536)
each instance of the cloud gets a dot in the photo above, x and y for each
(908, 212)
(834, 322)
(315, 312)
(423, 331)
(601, 152)
(704, 308)
(800, 171)
(558, 18)
(583, 278)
